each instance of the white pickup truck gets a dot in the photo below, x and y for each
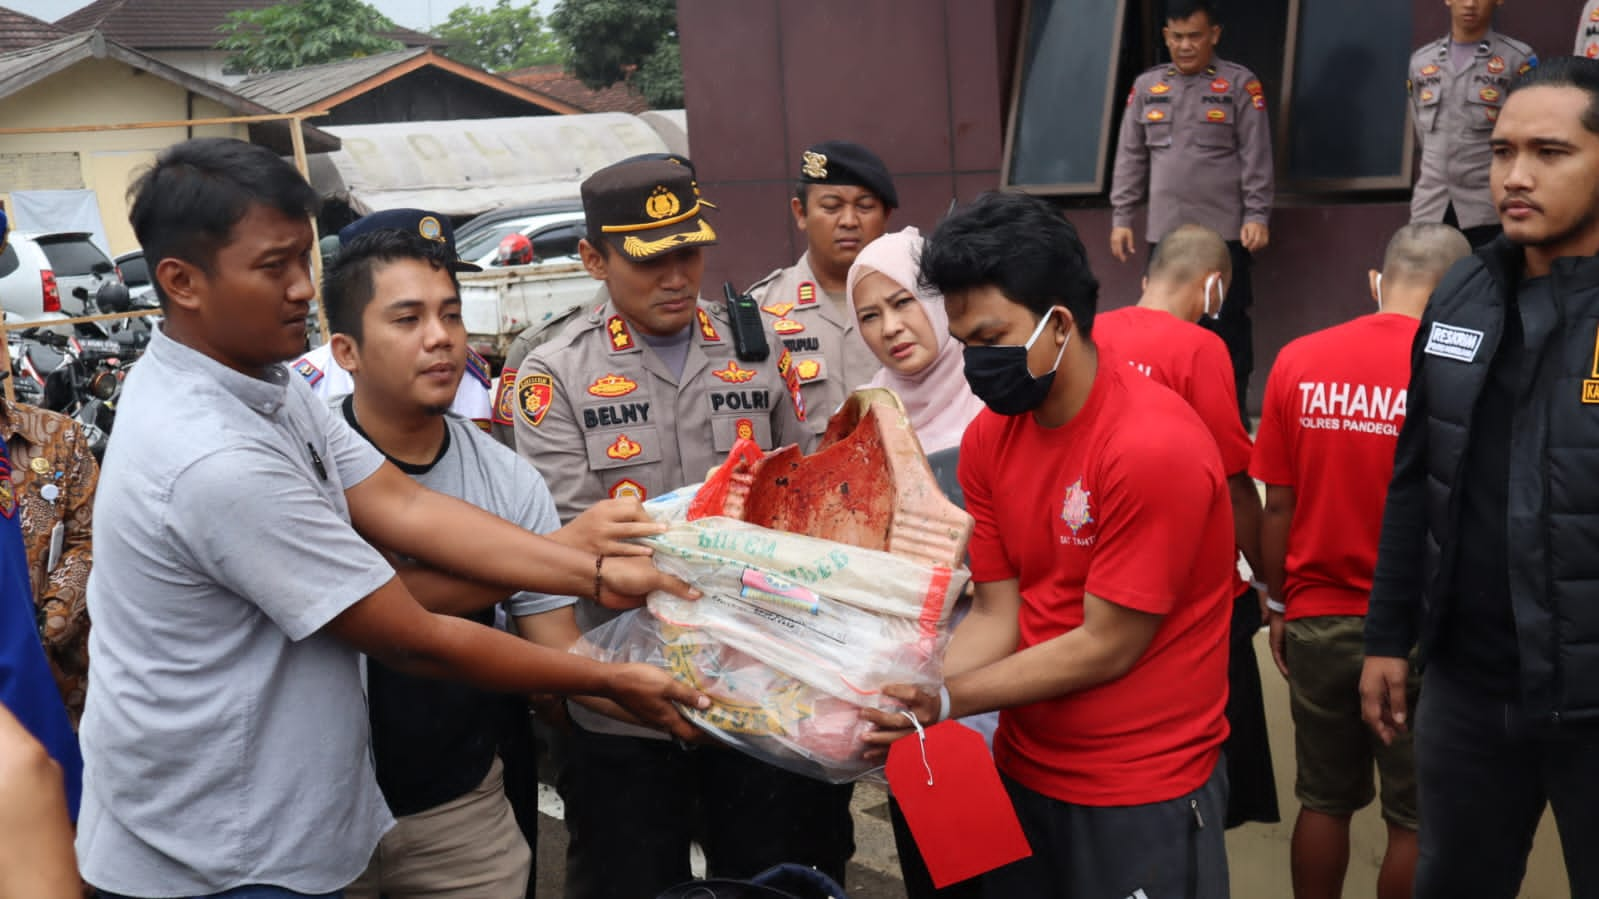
(499, 303)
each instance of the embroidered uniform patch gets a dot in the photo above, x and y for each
(787, 326)
(503, 399)
(627, 487)
(308, 371)
(744, 429)
(612, 386)
(1451, 342)
(533, 396)
(732, 374)
(809, 369)
(623, 449)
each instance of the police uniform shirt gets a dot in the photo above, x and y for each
(1588, 32)
(1454, 114)
(830, 358)
(1197, 148)
(601, 415)
(504, 428)
(473, 397)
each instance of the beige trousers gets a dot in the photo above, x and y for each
(467, 848)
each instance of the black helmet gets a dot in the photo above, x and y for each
(113, 297)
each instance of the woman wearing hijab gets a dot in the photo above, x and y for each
(906, 327)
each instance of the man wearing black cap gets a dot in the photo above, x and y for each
(638, 396)
(474, 396)
(841, 203)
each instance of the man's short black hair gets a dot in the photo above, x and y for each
(1565, 71)
(348, 284)
(1177, 10)
(186, 204)
(1021, 245)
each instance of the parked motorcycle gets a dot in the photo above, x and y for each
(78, 377)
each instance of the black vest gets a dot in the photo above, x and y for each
(1553, 508)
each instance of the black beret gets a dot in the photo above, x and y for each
(846, 162)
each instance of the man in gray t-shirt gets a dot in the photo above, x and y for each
(237, 575)
(394, 306)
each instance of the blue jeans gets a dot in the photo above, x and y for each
(248, 893)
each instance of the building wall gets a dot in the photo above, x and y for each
(207, 64)
(925, 83)
(429, 94)
(99, 92)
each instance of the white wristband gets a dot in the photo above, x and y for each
(1273, 605)
(943, 704)
(1259, 585)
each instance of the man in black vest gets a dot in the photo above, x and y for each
(1489, 556)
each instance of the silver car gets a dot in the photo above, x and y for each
(39, 275)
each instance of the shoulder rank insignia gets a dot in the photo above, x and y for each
(807, 293)
(623, 449)
(708, 330)
(612, 386)
(308, 371)
(503, 396)
(621, 338)
(533, 396)
(732, 374)
(778, 309)
(787, 326)
(744, 429)
(809, 369)
(478, 367)
(627, 488)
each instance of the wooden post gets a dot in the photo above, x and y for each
(298, 137)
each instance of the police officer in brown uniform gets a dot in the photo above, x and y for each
(636, 397)
(1457, 84)
(1196, 144)
(1588, 32)
(842, 200)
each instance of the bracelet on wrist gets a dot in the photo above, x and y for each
(599, 563)
(1273, 605)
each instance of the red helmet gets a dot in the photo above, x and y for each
(515, 249)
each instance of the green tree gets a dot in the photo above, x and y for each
(500, 38)
(610, 40)
(303, 33)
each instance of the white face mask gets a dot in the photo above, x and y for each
(1379, 291)
(1213, 283)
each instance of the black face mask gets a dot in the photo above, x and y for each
(999, 377)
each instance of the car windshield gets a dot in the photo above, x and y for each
(71, 256)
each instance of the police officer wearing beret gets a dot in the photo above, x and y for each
(1457, 84)
(842, 200)
(1196, 145)
(637, 396)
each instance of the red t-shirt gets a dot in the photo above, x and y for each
(1189, 360)
(1335, 401)
(1126, 501)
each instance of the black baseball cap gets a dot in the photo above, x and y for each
(846, 162)
(644, 208)
(429, 225)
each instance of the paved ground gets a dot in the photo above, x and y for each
(873, 873)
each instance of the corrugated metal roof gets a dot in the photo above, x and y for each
(20, 30)
(183, 24)
(294, 89)
(21, 68)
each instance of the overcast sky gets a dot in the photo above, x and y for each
(420, 15)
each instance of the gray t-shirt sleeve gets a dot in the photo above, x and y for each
(537, 506)
(355, 458)
(251, 521)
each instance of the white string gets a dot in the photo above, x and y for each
(922, 736)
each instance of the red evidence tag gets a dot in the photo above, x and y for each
(963, 821)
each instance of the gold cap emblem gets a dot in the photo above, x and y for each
(814, 165)
(662, 203)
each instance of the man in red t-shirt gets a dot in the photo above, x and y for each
(1188, 279)
(1334, 404)
(1102, 563)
